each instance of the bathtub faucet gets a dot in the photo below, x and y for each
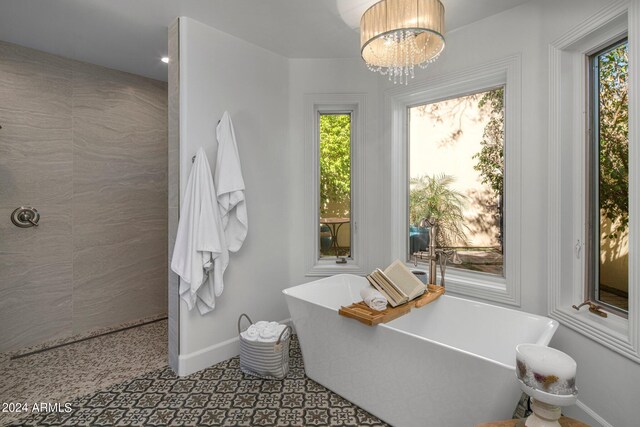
(437, 255)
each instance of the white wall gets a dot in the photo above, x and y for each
(219, 72)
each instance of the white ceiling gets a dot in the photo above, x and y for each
(131, 35)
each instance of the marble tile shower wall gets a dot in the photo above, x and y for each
(87, 147)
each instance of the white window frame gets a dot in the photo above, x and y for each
(505, 72)
(567, 216)
(314, 104)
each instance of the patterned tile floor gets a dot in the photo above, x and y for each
(218, 396)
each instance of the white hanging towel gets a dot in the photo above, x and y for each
(200, 255)
(230, 186)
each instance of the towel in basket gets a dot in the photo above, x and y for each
(269, 360)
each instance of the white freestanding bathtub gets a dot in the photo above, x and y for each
(448, 364)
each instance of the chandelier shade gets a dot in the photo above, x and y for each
(397, 35)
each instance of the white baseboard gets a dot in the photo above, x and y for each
(209, 356)
(212, 355)
(582, 412)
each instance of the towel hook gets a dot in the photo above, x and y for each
(193, 159)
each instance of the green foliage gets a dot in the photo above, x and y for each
(491, 156)
(614, 137)
(335, 164)
(432, 199)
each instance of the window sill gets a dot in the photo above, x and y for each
(476, 285)
(324, 268)
(612, 332)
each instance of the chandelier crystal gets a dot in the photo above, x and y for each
(398, 35)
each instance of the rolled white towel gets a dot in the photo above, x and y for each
(251, 334)
(271, 334)
(279, 330)
(373, 298)
(268, 334)
(263, 331)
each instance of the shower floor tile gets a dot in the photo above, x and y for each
(62, 374)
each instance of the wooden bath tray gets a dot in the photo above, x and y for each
(364, 314)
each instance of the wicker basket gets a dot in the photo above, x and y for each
(269, 360)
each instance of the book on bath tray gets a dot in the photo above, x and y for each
(397, 283)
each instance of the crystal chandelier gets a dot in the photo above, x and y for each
(397, 35)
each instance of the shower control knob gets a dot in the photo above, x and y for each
(25, 217)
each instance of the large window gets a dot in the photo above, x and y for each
(608, 219)
(456, 158)
(335, 186)
(456, 180)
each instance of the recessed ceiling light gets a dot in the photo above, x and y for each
(165, 59)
